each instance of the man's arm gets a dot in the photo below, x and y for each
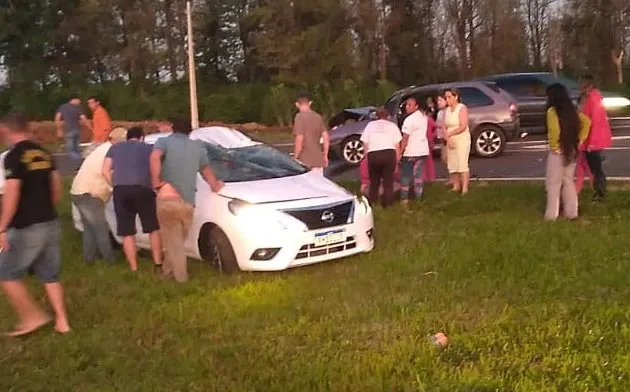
(10, 202)
(299, 137)
(85, 121)
(208, 174)
(155, 165)
(298, 145)
(404, 142)
(107, 170)
(326, 146)
(56, 187)
(59, 124)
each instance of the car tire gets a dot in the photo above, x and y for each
(220, 253)
(488, 141)
(352, 151)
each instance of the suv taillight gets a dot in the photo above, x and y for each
(513, 110)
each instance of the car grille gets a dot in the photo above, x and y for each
(310, 250)
(313, 217)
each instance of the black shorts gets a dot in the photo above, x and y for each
(132, 200)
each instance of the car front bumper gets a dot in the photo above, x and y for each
(295, 246)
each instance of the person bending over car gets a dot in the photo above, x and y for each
(175, 162)
(90, 192)
(126, 168)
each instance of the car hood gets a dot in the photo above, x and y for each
(302, 187)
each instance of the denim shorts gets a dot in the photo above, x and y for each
(33, 249)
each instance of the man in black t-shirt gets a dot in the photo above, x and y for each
(29, 231)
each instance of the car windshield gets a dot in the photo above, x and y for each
(251, 163)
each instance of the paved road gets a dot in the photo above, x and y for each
(522, 159)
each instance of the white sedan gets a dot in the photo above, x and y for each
(272, 214)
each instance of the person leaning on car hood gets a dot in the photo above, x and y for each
(175, 162)
(90, 192)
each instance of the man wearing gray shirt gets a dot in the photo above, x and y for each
(69, 118)
(175, 162)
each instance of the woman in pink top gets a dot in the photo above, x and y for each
(600, 137)
(428, 173)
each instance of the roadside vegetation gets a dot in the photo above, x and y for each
(527, 305)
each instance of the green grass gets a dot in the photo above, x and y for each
(528, 306)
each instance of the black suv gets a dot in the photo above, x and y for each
(529, 91)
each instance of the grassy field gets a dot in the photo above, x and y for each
(528, 306)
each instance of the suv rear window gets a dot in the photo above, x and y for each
(473, 97)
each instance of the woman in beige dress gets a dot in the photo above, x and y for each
(457, 136)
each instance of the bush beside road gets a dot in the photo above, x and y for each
(45, 132)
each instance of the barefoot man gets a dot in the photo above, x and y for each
(29, 230)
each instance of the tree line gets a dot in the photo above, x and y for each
(253, 55)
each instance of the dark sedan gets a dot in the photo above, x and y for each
(529, 91)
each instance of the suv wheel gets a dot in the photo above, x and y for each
(352, 150)
(488, 141)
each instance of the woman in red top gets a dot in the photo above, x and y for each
(600, 137)
(428, 173)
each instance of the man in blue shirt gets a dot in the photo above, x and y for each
(126, 169)
(70, 117)
(175, 162)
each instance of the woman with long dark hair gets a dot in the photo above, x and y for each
(566, 131)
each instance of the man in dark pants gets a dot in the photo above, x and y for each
(381, 140)
(600, 136)
(126, 168)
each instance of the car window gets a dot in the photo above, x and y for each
(251, 163)
(473, 97)
(523, 86)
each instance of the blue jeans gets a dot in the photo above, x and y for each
(73, 139)
(96, 238)
(34, 249)
(411, 176)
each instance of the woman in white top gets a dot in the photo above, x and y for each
(381, 139)
(457, 138)
(415, 149)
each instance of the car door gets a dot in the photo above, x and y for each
(529, 93)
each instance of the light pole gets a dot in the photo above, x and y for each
(192, 79)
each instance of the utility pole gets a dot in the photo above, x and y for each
(192, 79)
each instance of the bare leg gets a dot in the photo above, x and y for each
(465, 180)
(31, 316)
(129, 247)
(55, 296)
(156, 247)
(455, 181)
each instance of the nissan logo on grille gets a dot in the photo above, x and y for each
(328, 216)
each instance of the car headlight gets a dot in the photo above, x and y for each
(254, 216)
(615, 102)
(237, 206)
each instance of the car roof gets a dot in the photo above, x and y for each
(222, 136)
(443, 86)
(513, 74)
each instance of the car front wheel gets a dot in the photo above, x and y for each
(352, 150)
(488, 141)
(217, 250)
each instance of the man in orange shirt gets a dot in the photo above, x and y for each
(101, 123)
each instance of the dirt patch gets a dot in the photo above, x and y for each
(45, 132)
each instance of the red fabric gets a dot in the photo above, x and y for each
(600, 136)
(581, 171)
(428, 173)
